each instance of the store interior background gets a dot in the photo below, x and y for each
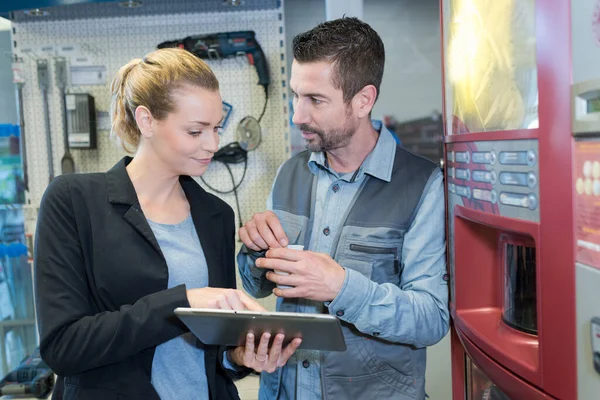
(410, 95)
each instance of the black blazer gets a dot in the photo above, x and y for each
(101, 285)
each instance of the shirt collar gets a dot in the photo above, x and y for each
(379, 161)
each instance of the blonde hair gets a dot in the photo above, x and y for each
(150, 82)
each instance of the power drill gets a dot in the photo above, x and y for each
(32, 376)
(226, 44)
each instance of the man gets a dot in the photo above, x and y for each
(371, 215)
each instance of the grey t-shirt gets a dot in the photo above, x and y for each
(178, 370)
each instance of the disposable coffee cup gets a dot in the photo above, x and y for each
(292, 247)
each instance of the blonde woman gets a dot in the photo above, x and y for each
(117, 252)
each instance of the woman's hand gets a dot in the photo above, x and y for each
(260, 359)
(224, 299)
(263, 359)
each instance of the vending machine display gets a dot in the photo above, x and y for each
(490, 70)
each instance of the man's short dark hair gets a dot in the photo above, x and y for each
(354, 48)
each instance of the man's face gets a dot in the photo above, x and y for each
(326, 122)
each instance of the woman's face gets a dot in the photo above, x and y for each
(188, 138)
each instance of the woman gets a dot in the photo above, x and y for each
(117, 252)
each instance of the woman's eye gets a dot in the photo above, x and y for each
(194, 133)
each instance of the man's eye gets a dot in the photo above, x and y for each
(315, 101)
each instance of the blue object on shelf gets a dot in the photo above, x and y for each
(7, 130)
(16, 250)
(12, 188)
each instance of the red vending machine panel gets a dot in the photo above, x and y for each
(508, 153)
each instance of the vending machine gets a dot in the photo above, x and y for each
(509, 179)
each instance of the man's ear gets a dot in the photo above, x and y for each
(364, 101)
(145, 121)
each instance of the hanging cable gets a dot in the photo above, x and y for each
(266, 101)
(235, 193)
(234, 189)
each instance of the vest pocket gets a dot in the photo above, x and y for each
(361, 248)
(391, 362)
(368, 387)
(386, 266)
(361, 373)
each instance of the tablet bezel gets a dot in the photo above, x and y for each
(229, 327)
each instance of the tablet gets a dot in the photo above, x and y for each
(228, 327)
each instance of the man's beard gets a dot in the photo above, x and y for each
(330, 140)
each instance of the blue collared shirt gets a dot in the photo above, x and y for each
(301, 377)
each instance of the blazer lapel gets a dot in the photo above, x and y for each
(122, 193)
(137, 220)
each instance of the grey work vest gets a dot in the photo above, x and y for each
(369, 242)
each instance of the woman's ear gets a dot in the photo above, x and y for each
(145, 121)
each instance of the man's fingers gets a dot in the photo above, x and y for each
(275, 227)
(277, 264)
(288, 351)
(266, 234)
(287, 254)
(245, 238)
(285, 280)
(263, 231)
(292, 292)
(255, 236)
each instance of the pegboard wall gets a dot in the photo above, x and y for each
(113, 41)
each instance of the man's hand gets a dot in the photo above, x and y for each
(314, 276)
(263, 231)
(264, 359)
